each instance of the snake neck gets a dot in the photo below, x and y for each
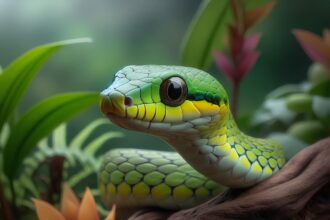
(225, 154)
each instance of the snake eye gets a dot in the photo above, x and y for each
(173, 91)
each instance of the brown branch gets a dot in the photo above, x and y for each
(301, 190)
(5, 208)
(55, 167)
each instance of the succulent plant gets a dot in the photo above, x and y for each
(301, 112)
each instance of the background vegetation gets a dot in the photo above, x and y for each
(143, 32)
(147, 32)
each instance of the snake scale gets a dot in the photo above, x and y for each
(189, 109)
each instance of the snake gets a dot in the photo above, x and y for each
(189, 109)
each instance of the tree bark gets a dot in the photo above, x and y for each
(300, 190)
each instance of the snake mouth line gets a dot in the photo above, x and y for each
(127, 123)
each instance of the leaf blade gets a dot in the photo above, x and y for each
(206, 33)
(39, 121)
(16, 78)
(82, 136)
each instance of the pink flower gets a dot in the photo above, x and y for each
(243, 58)
(315, 47)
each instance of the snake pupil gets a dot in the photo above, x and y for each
(173, 91)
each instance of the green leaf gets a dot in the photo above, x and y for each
(299, 102)
(39, 121)
(79, 176)
(206, 33)
(59, 136)
(273, 109)
(99, 141)
(318, 73)
(321, 89)
(16, 78)
(308, 131)
(321, 108)
(4, 134)
(80, 138)
(283, 91)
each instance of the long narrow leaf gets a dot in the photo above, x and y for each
(92, 147)
(59, 136)
(16, 78)
(39, 122)
(208, 30)
(80, 138)
(77, 178)
(206, 33)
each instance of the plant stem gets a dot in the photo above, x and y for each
(55, 166)
(6, 211)
(234, 100)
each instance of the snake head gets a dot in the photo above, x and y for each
(164, 100)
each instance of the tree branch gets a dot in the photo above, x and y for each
(301, 190)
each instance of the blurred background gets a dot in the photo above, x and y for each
(143, 32)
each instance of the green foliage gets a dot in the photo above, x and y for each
(299, 102)
(321, 89)
(307, 131)
(208, 30)
(318, 73)
(19, 137)
(321, 108)
(206, 33)
(40, 121)
(302, 111)
(16, 78)
(82, 159)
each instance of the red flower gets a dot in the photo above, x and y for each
(243, 58)
(315, 47)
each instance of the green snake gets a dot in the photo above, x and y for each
(189, 109)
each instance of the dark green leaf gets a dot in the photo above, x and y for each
(308, 131)
(84, 134)
(16, 78)
(318, 73)
(38, 122)
(206, 33)
(299, 102)
(321, 108)
(321, 89)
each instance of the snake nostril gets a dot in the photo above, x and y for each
(128, 101)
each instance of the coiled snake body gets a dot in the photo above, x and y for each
(189, 109)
